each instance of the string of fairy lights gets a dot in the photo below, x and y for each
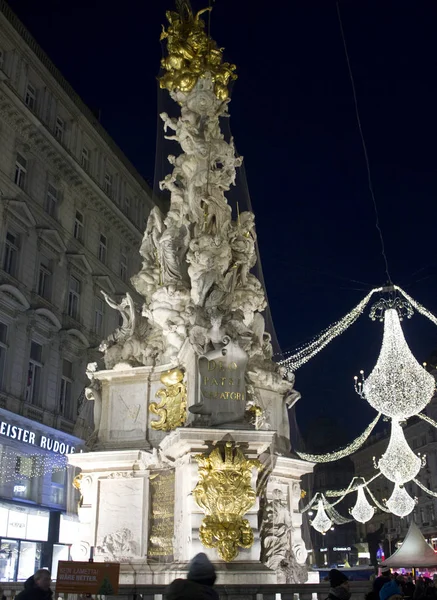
(15, 466)
(398, 388)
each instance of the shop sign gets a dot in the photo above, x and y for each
(87, 578)
(342, 549)
(46, 442)
(24, 523)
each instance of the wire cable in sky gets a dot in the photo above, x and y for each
(369, 178)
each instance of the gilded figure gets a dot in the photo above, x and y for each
(192, 55)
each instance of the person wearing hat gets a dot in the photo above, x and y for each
(390, 591)
(199, 582)
(339, 586)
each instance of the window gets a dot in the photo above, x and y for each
(30, 96)
(99, 314)
(20, 170)
(123, 264)
(103, 247)
(24, 482)
(52, 198)
(127, 206)
(423, 440)
(85, 158)
(34, 374)
(59, 129)
(78, 226)
(3, 350)
(65, 404)
(74, 298)
(10, 257)
(57, 487)
(44, 278)
(108, 183)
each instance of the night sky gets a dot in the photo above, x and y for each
(293, 119)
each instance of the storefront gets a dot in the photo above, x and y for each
(37, 519)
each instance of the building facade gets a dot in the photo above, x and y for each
(72, 213)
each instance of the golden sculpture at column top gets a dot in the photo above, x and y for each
(225, 494)
(192, 54)
(172, 409)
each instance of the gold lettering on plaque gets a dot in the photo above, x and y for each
(161, 521)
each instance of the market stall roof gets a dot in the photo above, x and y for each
(414, 552)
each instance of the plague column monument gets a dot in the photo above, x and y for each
(191, 448)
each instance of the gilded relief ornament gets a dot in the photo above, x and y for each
(172, 409)
(225, 494)
(192, 55)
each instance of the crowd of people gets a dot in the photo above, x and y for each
(387, 586)
(201, 576)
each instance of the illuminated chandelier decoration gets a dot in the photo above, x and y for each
(398, 386)
(399, 463)
(400, 502)
(362, 511)
(321, 522)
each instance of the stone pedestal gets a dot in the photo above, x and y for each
(137, 506)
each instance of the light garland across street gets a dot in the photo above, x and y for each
(309, 350)
(349, 489)
(343, 452)
(424, 488)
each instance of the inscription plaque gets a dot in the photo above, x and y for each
(161, 521)
(222, 384)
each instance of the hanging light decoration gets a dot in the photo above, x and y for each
(399, 463)
(362, 511)
(398, 386)
(307, 351)
(321, 521)
(346, 451)
(400, 502)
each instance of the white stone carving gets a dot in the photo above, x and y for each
(278, 551)
(196, 277)
(119, 534)
(119, 545)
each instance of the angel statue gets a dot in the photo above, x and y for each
(127, 310)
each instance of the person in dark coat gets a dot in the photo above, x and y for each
(199, 582)
(37, 587)
(339, 586)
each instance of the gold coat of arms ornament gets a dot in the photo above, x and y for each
(172, 409)
(225, 494)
